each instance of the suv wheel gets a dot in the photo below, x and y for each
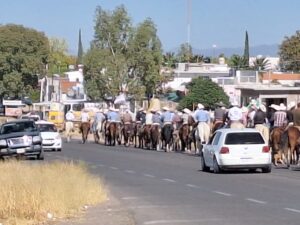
(267, 169)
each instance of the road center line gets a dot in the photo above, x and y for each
(192, 185)
(169, 180)
(113, 168)
(129, 198)
(149, 175)
(222, 193)
(255, 200)
(180, 221)
(129, 171)
(292, 210)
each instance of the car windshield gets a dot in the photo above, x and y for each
(26, 126)
(244, 138)
(47, 127)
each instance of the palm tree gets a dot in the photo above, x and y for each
(237, 62)
(169, 60)
(261, 63)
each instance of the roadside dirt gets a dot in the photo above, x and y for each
(110, 212)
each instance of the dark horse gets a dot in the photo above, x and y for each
(290, 143)
(155, 136)
(167, 136)
(147, 135)
(85, 129)
(138, 135)
(110, 134)
(127, 133)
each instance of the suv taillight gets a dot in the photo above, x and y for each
(224, 150)
(266, 149)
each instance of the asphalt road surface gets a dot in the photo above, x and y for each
(168, 188)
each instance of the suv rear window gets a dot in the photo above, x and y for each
(24, 126)
(244, 138)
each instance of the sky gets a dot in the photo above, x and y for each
(213, 23)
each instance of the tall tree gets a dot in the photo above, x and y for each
(289, 52)
(24, 54)
(237, 62)
(246, 51)
(80, 50)
(122, 58)
(59, 59)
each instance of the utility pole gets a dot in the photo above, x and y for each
(189, 3)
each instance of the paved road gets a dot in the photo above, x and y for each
(168, 188)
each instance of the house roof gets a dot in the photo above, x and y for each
(281, 76)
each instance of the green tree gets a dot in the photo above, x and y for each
(169, 60)
(289, 52)
(122, 58)
(204, 91)
(24, 54)
(59, 60)
(80, 50)
(246, 51)
(185, 53)
(237, 62)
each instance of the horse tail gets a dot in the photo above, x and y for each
(284, 142)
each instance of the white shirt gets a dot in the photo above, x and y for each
(85, 117)
(70, 116)
(149, 118)
(235, 113)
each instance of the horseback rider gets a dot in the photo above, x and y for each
(202, 117)
(259, 120)
(280, 116)
(69, 123)
(156, 118)
(99, 118)
(219, 114)
(167, 116)
(235, 116)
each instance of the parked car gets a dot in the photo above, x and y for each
(20, 137)
(236, 149)
(50, 135)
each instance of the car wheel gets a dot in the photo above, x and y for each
(59, 149)
(267, 169)
(203, 166)
(216, 166)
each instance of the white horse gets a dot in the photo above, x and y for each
(69, 130)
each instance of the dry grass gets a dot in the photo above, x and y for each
(29, 192)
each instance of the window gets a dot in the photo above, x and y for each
(244, 138)
(26, 126)
(217, 138)
(46, 127)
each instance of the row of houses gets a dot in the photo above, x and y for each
(269, 86)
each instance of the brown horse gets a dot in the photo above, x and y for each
(275, 143)
(192, 134)
(184, 134)
(155, 136)
(291, 145)
(110, 134)
(217, 125)
(85, 129)
(127, 133)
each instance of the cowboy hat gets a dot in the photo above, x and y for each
(291, 105)
(263, 108)
(220, 104)
(186, 110)
(200, 106)
(165, 108)
(282, 107)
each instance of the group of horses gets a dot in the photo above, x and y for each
(148, 136)
(284, 141)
